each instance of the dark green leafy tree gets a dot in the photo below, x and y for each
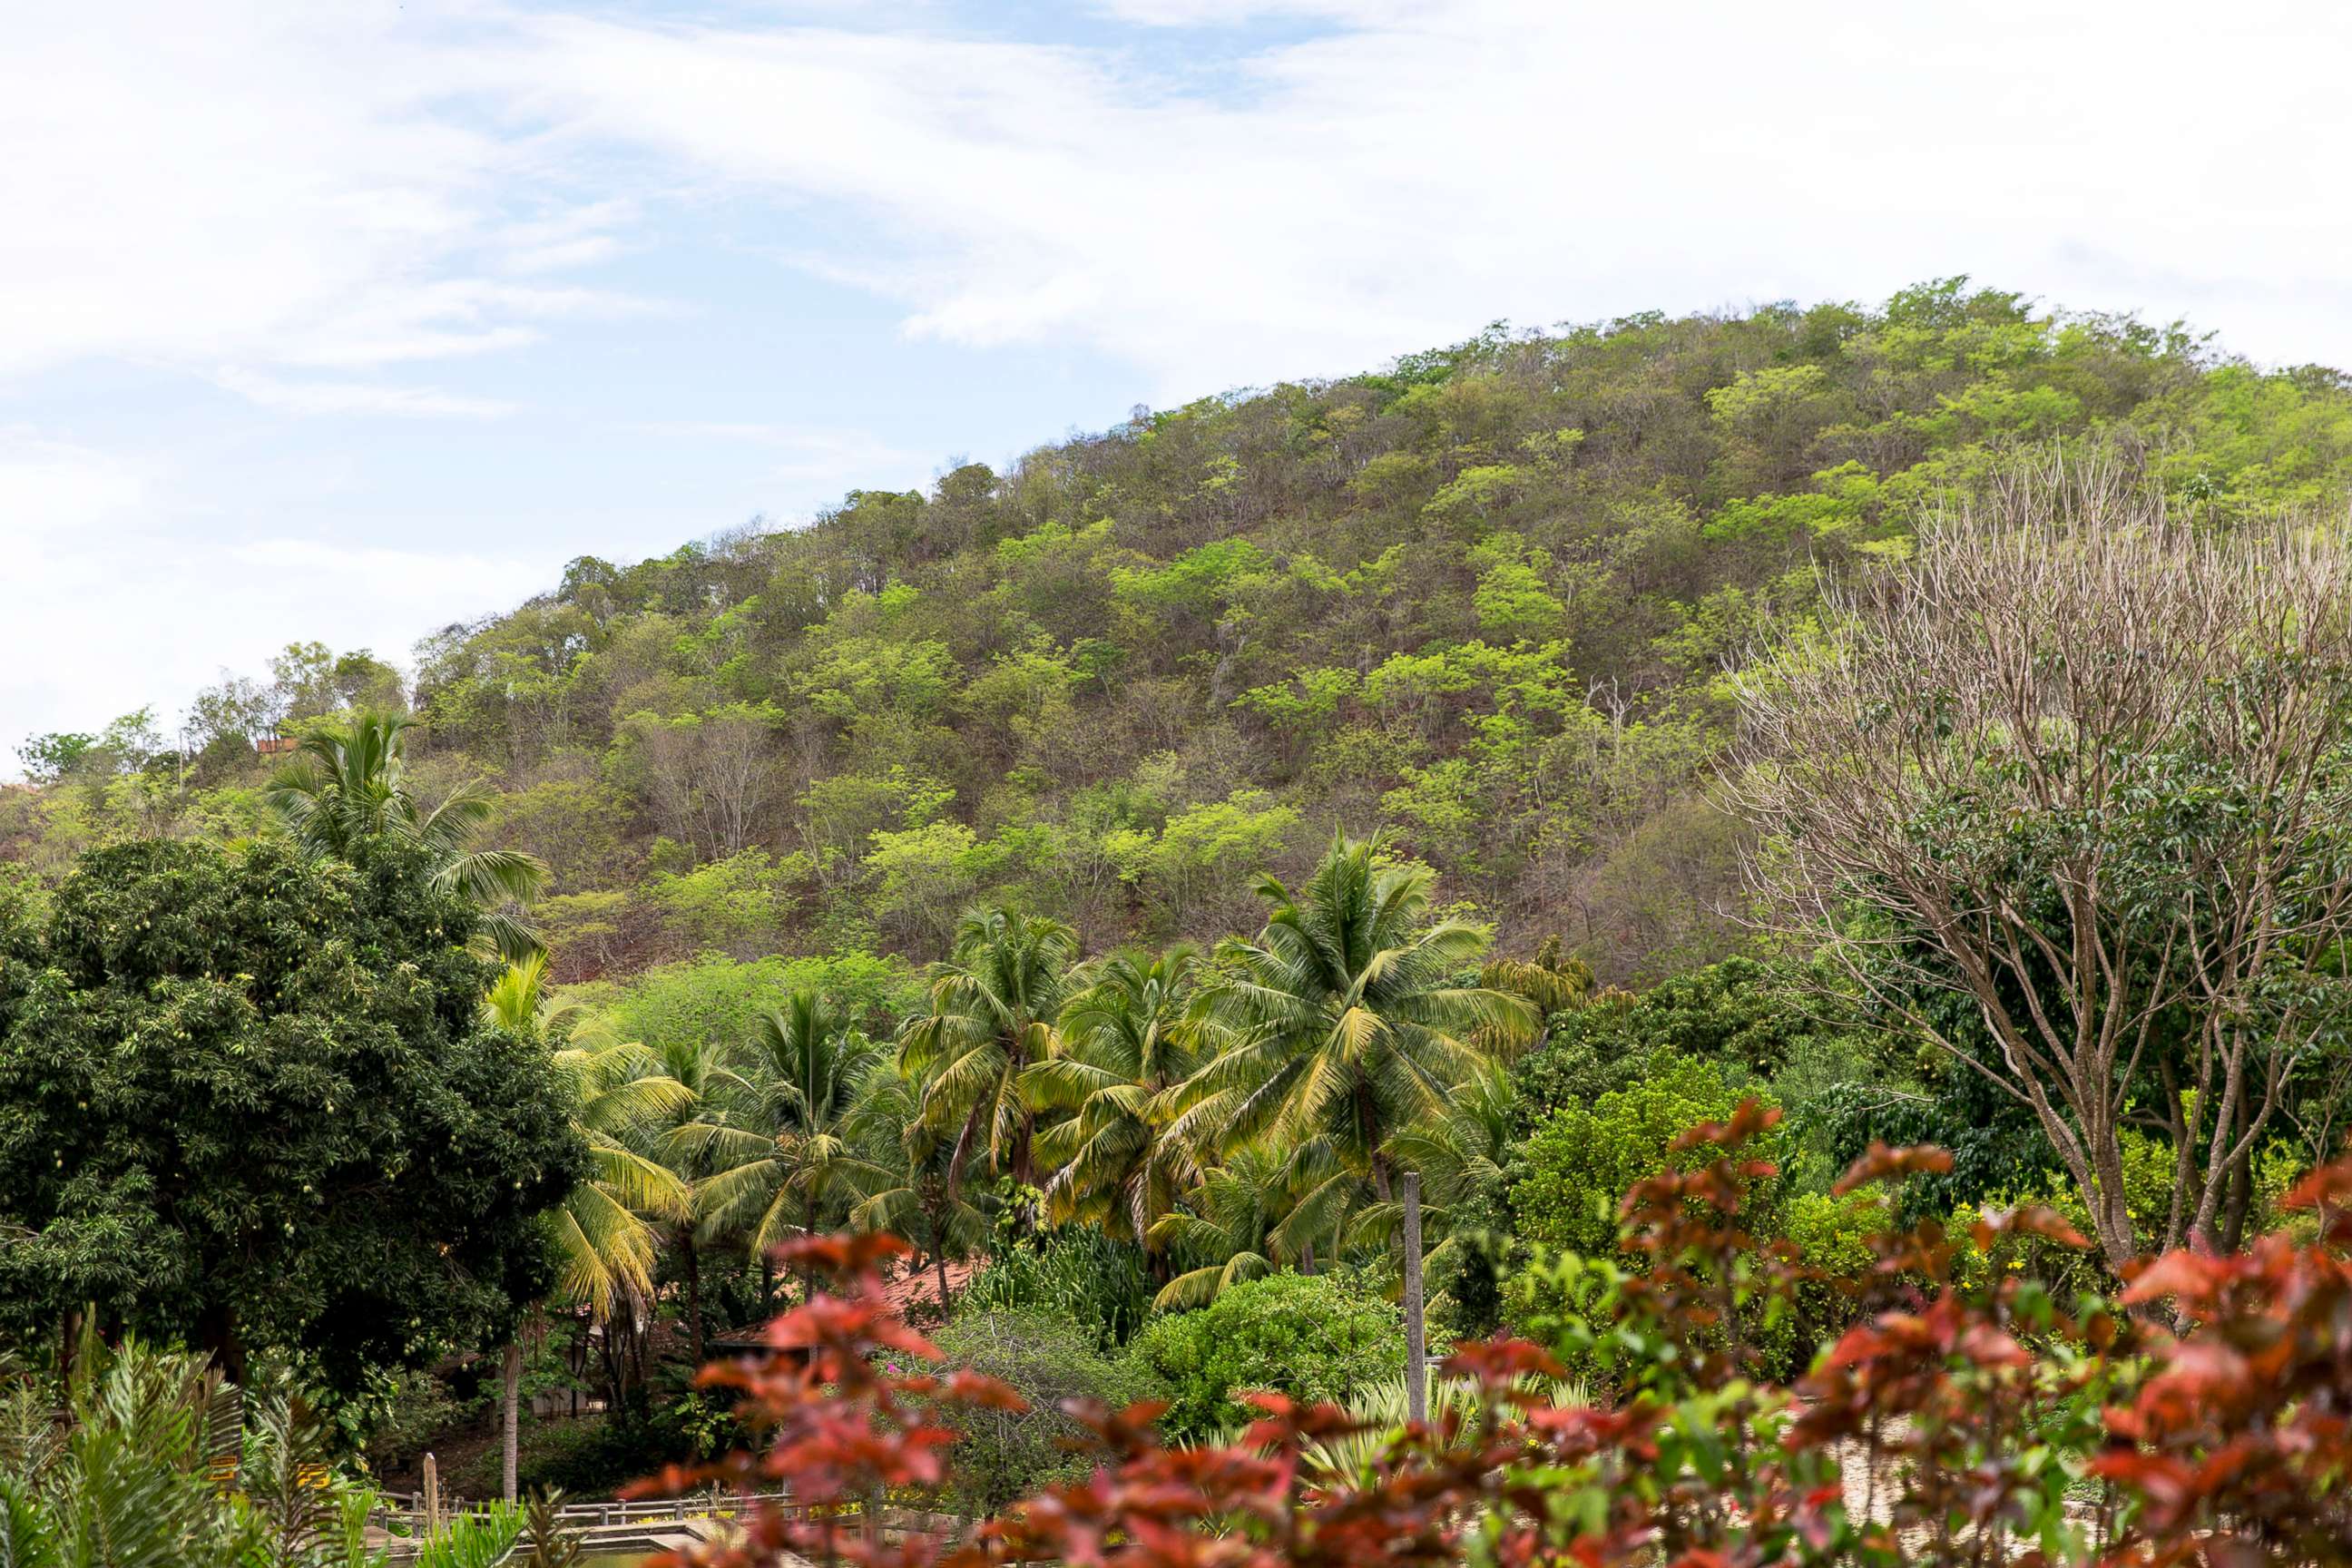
(249, 1098)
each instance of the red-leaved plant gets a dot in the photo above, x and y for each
(2205, 1417)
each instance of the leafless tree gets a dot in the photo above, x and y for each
(707, 776)
(2084, 766)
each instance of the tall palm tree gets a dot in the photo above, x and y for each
(992, 1009)
(1347, 1016)
(1260, 1211)
(780, 1160)
(692, 1138)
(348, 783)
(917, 1191)
(1460, 1153)
(605, 1234)
(1123, 1157)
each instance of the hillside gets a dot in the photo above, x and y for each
(1480, 598)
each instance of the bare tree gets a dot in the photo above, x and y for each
(2083, 765)
(707, 776)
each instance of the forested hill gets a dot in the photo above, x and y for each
(1481, 599)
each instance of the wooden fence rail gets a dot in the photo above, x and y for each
(408, 1510)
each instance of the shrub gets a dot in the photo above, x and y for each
(1077, 1273)
(1741, 1017)
(1046, 1359)
(1985, 1424)
(1314, 1337)
(1567, 1176)
(1833, 1235)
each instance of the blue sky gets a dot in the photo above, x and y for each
(343, 321)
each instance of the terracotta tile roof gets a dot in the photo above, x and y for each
(916, 1293)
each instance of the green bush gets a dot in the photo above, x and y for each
(1077, 1273)
(1831, 1236)
(1746, 1017)
(1314, 1337)
(999, 1455)
(1573, 1171)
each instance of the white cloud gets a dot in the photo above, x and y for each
(813, 466)
(1228, 13)
(357, 397)
(115, 596)
(260, 184)
(349, 207)
(1418, 169)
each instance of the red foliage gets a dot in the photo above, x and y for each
(1976, 1425)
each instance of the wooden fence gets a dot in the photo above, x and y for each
(404, 1513)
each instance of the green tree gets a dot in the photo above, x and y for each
(918, 1192)
(1121, 1158)
(1570, 1173)
(1001, 1456)
(1461, 1152)
(1313, 1337)
(350, 786)
(1261, 1210)
(1347, 1016)
(993, 1010)
(783, 1163)
(251, 1100)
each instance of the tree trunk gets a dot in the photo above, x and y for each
(939, 1262)
(808, 1270)
(216, 1332)
(1307, 1257)
(1024, 1162)
(693, 1294)
(1367, 1128)
(1416, 1331)
(2242, 1189)
(510, 1403)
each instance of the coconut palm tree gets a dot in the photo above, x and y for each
(992, 1009)
(604, 1233)
(779, 1159)
(690, 1137)
(917, 1191)
(348, 783)
(1347, 1016)
(1260, 1211)
(1122, 1158)
(1460, 1152)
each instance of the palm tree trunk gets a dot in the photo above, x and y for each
(693, 1293)
(1024, 1164)
(510, 1403)
(1416, 1331)
(1368, 1127)
(940, 1263)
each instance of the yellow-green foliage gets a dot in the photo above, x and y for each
(1483, 598)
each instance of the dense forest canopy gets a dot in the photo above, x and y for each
(1483, 599)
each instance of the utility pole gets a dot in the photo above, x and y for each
(1417, 1332)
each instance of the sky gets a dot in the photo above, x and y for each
(345, 322)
